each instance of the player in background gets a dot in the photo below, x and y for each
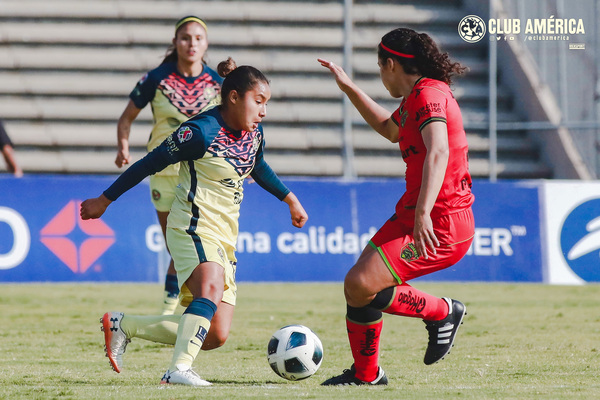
(181, 87)
(217, 149)
(7, 150)
(432, 227)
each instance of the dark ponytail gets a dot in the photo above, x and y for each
(241, 79)
(418, 54)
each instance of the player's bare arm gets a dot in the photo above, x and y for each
(123, 129)
(375, 115)
(435, 137)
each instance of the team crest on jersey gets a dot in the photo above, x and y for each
(409, 252)
(255, 143)
(403, 118)
(184, 134)
(141, 81)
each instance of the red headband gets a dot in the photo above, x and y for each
(383, 46)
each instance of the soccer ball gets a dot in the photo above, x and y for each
(295, 352)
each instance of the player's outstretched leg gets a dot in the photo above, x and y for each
(442, 333)
(115, 340)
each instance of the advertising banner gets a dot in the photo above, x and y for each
(43, 239)
(343, 217)
(572, 215)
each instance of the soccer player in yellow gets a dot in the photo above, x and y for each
(181, 87)
(217, 150)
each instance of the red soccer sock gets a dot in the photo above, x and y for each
(410, 302)
(364, 342)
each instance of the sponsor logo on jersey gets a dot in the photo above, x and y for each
(184, 134)
(407, 152)
(427, 109)
(155, 194)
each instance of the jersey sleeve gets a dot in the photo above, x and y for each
(152, 163)
(187, 143)
(214, 75)
(266, 177)
(4, 139)
(181, 145)
(144, 91)
(429, 105)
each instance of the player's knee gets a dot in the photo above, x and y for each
(214, 341)
(354, 288)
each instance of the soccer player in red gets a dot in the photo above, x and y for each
(432, 227)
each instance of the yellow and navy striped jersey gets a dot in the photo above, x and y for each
(174, 99)
(214, 161)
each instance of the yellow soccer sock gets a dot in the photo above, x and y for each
(190, 336)
(156, 328)
(169, 304)
(171, 294)
(192, 331)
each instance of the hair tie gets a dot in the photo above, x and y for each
(190, 18)
(383, 46)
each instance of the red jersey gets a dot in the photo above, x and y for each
(432, 100)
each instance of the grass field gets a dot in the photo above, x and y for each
(517, 342)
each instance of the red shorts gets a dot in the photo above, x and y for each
(396, 244)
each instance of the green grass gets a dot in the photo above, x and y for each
(517, 342)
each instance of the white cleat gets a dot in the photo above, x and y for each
(184, 375)
(115, 340)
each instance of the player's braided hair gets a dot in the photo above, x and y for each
(241, 79)
(418, 54)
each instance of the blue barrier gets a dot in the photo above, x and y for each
(343, 217)
(55, 245)
(42, 238)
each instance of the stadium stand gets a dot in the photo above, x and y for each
(67, 67)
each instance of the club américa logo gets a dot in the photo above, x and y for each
(184, 134)
(471, 28)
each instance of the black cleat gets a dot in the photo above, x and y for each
(348, 378)
(442, 333)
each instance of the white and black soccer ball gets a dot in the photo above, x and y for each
(295, 352)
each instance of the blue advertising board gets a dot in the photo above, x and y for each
(343, 217)
(43, 239)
